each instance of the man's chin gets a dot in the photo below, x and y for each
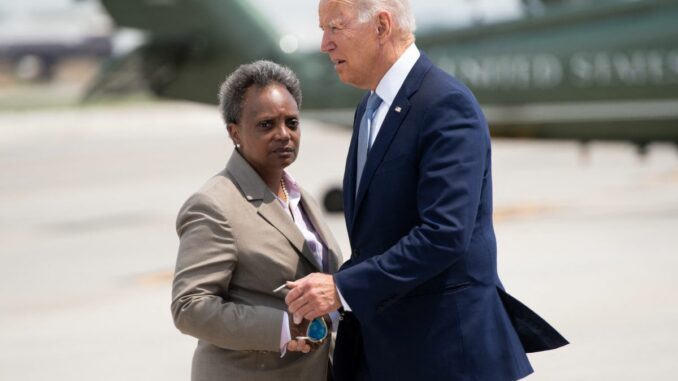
(348, 80)
(341, 75)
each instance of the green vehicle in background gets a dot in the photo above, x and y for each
(581, 70)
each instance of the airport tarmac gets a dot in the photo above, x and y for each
(88, 199)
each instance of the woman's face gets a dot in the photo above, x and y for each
(268, 132)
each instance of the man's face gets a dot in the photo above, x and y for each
(352, 46)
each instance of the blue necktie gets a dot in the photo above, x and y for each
(373, 103)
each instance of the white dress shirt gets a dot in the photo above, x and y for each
(390, 84)
(313, 240)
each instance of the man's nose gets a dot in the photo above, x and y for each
(326, 45)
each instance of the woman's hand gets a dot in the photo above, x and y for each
(296, 331)
(298, 346)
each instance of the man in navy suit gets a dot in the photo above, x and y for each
(421, 296)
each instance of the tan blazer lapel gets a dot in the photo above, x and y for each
(268, 207)
(273, 212)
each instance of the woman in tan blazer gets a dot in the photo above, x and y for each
(248, 230)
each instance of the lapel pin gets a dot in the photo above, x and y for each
(398, 109)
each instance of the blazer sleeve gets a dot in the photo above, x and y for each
(454, 149)
(205, 263)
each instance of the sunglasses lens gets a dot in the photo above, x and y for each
(317, 329)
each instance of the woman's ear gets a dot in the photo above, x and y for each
(234, 133)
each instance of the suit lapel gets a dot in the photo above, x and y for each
(381, 144)
(268, 207)
(350, 170)
(274, 214)
(394, 118)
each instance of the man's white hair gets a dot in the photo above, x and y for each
(399, 9)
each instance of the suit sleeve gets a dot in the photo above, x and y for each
(205, 263)
(454, 145)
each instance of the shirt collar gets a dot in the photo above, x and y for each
(292, 189)
(393, 80)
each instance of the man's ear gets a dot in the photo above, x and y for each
(384, 25)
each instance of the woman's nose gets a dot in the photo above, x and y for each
(283, 132)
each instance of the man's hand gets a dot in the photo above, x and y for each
(312, 296)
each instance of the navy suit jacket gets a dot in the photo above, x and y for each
(422, 279)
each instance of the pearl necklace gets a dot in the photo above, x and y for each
(284, 189)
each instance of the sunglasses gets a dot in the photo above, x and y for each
(316, 331)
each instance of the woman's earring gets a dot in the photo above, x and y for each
(237, 146)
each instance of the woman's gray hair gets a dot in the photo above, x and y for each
(399, 9)
(259, 73)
